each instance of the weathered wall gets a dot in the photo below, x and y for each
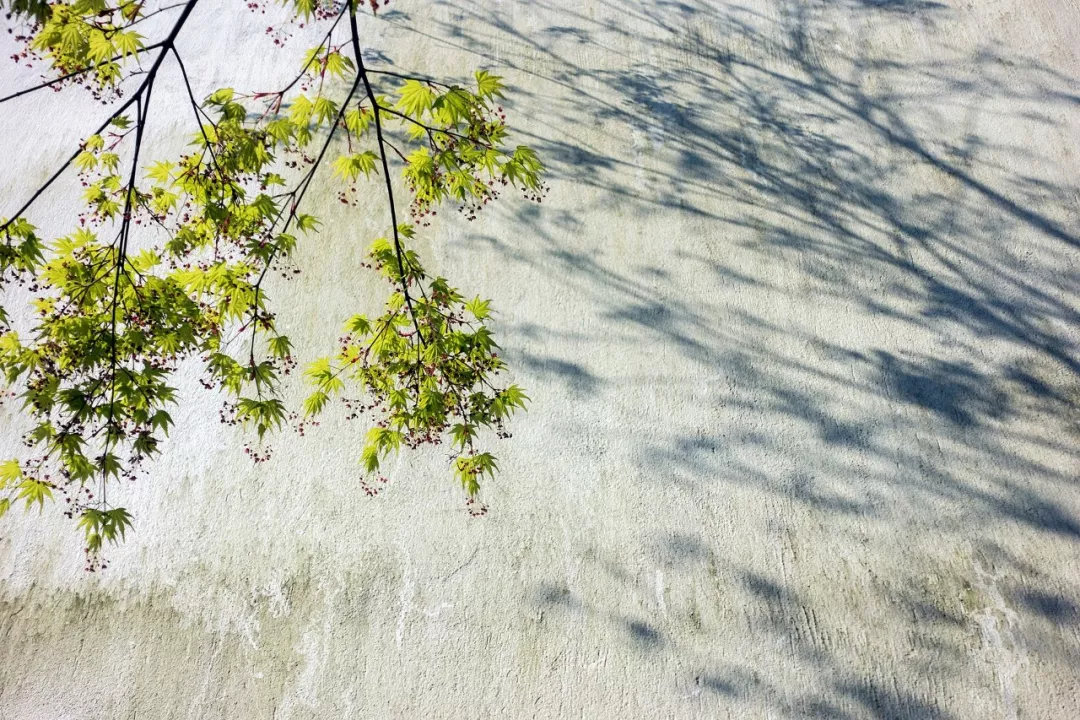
(800, 322)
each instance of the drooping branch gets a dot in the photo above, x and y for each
(103, 350)
(199, 112)
(295, 198)
(112, 434)
(361, 72)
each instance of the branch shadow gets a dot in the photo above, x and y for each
(850, 188)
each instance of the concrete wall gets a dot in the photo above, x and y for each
(800, 322)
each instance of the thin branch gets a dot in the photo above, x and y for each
(149, 15)
(394, 148)
(418, 78)
(432, 129)
(195, 106)
(121, 256)
(375, 107)
(41, 190)
(165, 46)
(325, 40)
(298, 196)
(77, 73)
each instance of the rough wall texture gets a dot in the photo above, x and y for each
(800, 319)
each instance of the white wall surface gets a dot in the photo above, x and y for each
(800, 321)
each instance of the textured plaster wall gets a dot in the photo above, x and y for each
(799, 319)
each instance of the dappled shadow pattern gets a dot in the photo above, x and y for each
(887, 344)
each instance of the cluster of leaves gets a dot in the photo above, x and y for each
(461, 157)
(89, 39)
(426, 366)
(169, 260)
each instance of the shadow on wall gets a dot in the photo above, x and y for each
(820, 171)
(769, 131)
(942, 622)
(867, 180)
